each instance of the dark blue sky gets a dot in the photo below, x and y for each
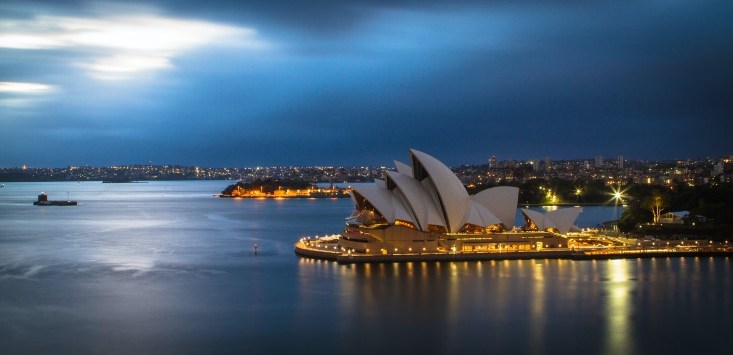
(230, 83)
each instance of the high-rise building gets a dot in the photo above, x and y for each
(621, 162)
(586, 165)
(535, 164)
(717, 169)
(599, 161)
(492, 162)
(547, 163)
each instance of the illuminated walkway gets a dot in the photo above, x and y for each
(329, 250)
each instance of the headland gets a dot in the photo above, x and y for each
(270, 188)
(423, 212)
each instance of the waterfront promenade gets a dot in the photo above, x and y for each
(328, 250)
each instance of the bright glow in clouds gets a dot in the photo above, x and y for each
(122, 45)
(24, 88)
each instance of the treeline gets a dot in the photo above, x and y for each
(556, 191)
(710, 208)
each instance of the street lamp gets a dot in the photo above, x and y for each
(578, 192)
(617, 195)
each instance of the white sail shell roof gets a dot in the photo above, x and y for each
(403, 168)
(480, 216)
(380, 183)
(500, 201)
(400, 211)
(538, 218)
(429, 193)
(380, 198)
(564, 218)
(453, 197)
(420, 203)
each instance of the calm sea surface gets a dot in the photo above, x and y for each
(165, 268)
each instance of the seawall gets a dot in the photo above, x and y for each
(303, 250)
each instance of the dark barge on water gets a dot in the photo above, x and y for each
(43, 201)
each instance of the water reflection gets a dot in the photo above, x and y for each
(153, 269)
(618, 308)
(536, 330)
(533, 307)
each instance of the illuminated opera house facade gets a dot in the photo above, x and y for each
(424, 207)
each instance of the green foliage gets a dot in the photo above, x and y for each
(632, 216)
(711, 204)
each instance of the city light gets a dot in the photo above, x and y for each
(618, 195)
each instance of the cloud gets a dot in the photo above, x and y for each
(119, 46)
(24, 88)
(19, 95)
(359, 81)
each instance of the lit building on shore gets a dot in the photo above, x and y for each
(424, 207)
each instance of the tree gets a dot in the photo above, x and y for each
(632, 216)
(656, 202)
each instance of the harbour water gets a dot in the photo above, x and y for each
(166, 268)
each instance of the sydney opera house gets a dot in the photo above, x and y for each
(424, 207)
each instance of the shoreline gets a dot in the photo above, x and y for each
(571, 204)
(304, 251)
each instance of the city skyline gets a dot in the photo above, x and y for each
(491, 161)
(610, 172)
(357, 82)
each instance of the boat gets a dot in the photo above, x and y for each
(44, 201)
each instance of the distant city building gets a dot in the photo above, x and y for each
(599, 161)
(492, 162)
(547, 164)
(620, 162)
(717, 169)
(685, 171)
(674, 217)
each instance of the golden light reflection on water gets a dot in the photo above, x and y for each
(454, 296)
(537, 325)
(618, 308)
(607, 307)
